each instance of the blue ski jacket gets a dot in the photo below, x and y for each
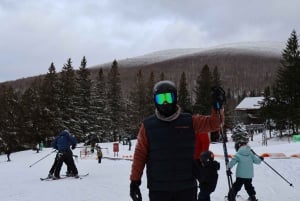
(63, 141)
(244, 159)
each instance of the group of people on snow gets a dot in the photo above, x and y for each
(173, 175)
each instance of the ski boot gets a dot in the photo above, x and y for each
(55, 177)
(50, 176)
(69, 174)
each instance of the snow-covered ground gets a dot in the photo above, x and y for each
(109, 181)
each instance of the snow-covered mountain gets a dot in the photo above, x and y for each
(262, 48)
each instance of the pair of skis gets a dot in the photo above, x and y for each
(63, 177)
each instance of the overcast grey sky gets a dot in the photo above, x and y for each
(35, 33)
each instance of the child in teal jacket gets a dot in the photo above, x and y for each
(244, 158)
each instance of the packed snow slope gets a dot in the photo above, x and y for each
(109, 181)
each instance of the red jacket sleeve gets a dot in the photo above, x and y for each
(208, 123)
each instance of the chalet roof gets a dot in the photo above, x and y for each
(250, 103)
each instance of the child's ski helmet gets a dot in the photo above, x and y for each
(206, 156)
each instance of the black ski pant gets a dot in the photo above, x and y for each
(67, 157)
(189, 194)
(54, 164)
(237, 185)
(203, 196)
(52, 169)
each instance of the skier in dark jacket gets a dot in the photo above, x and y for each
(208, 175)
(170, 175)
(62, 143)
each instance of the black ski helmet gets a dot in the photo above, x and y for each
(166, 86)
(206, 156)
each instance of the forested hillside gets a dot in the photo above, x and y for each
(242, 69)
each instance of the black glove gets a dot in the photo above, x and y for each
(73, 146)
(135, 192)
(261, 158)
(218, 97)
(228, 172)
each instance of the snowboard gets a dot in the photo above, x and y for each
(63, 177)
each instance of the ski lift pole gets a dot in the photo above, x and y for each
(229, 177)
(42, 158)
(273, 169)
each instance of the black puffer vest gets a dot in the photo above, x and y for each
(171, 149)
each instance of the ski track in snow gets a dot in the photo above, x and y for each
(109, 181)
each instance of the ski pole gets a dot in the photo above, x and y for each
(42, 158)
(220, 93)
(229, 177)
(274, 170)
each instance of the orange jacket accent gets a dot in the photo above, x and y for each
(201, 123)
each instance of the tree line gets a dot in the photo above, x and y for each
(88, 108)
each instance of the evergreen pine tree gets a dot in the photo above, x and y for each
(202, 91)
(83, 99)
(10, 117)
(184, 100)
(137, 100)
(67, 96)
(216, 78)
(49, 95)
(33, 114)
(115, 102)
(99, 108)
(287, 83)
